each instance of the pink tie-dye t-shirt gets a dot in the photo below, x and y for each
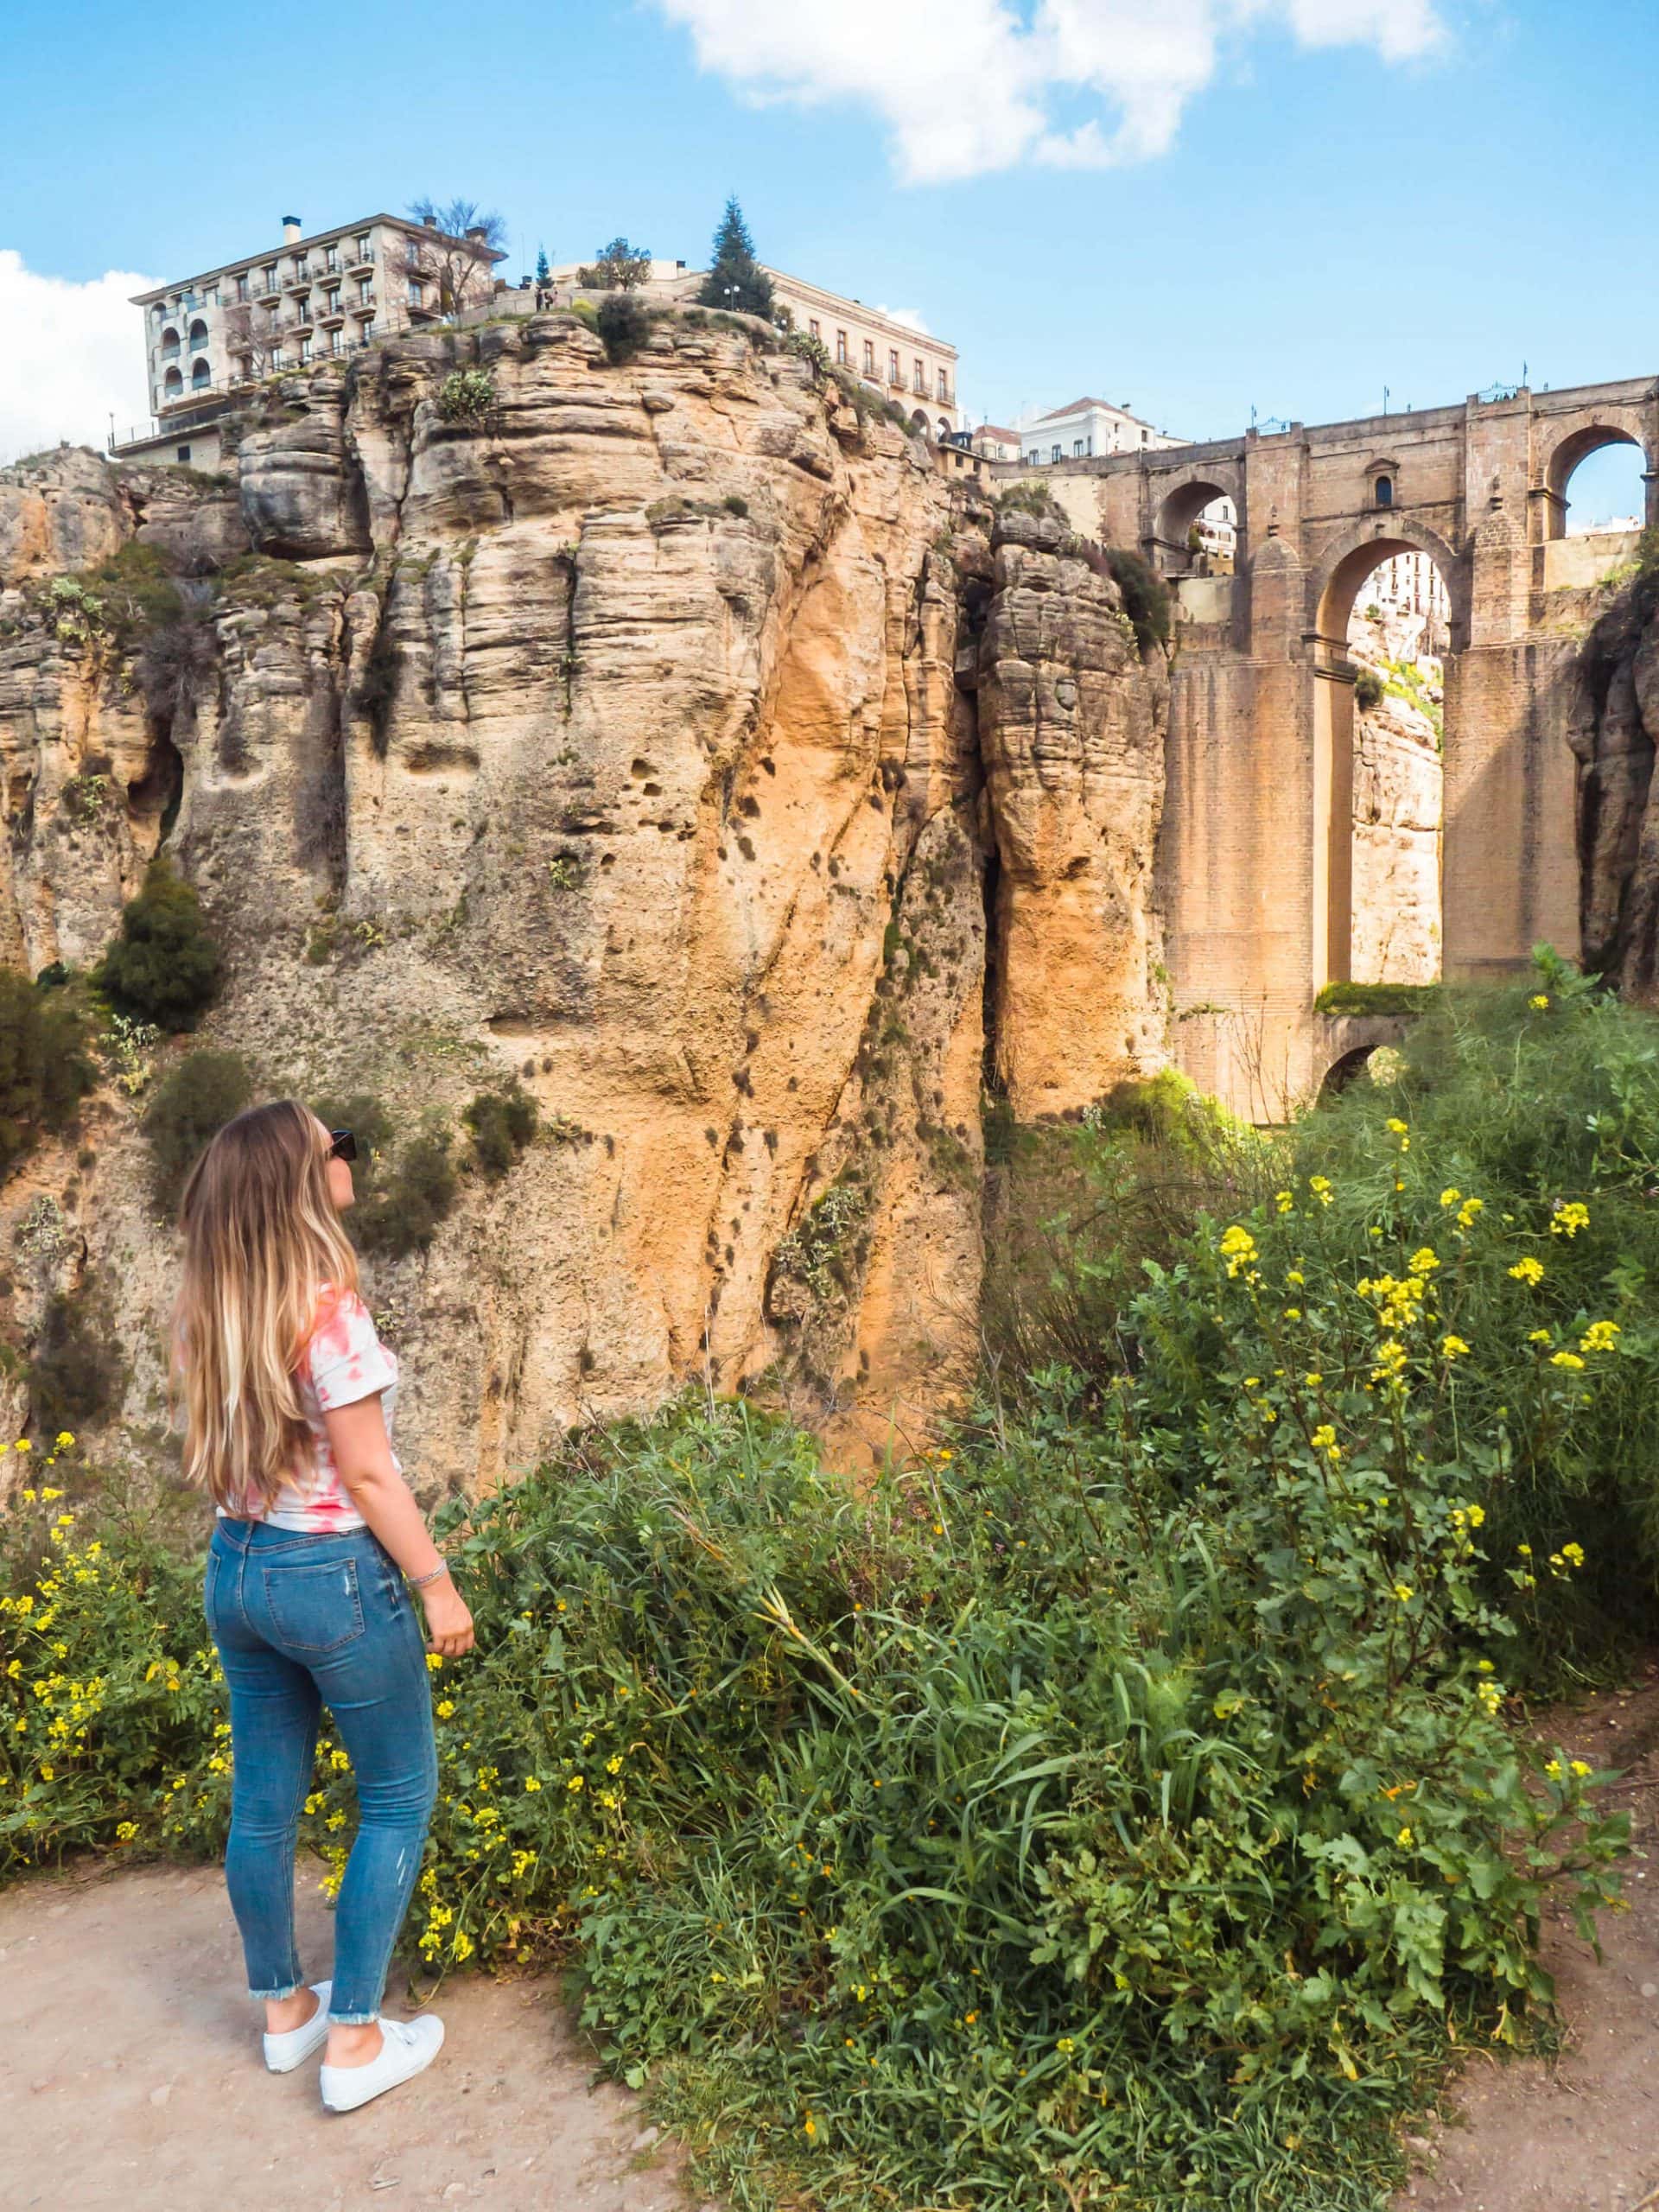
(343, 1362)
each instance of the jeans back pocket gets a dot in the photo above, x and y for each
(316, 1607)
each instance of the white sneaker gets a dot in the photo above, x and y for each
(407, 2048)
(284, 2052)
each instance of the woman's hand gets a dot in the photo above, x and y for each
(448, 1624)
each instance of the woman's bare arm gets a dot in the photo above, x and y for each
(357, 1437)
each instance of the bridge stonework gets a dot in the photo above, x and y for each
(1255, 850)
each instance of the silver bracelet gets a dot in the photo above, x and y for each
(420, 1581)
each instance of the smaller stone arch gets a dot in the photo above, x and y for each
(1178, 503)
(1347, 1068)
(1563, 457)
(1334, 586)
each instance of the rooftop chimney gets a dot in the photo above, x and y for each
(290, 230)
(476, 234)
(431, 222)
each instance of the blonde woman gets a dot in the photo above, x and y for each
(288, 1396)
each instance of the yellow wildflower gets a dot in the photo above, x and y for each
(1453, 1347)
(1423, 1262)
(1449, 1196)
(1283, 1201)
(1313, 1381)
(530, 1783)
(1476, 1515)
(1323, 1436)
(1321, 1186)
(1574, 1554)
(1568, 1220)
(1569, 1359)
(1404, 1838)
(1539, 1001)
(23, 1444)
(1467, 1211)
(1581, 1768)
(1552, 1769)
(1598, 1336)
(1403, 1592)
(64, 1439)
(574, 1783)
(1237, 1247)
(1528, 1271)
(434, 1660)
(1396, 1125)
(444, 1708)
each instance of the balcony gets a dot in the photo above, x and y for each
(364, 303)
(264, 288)
(300, 320)
(333, 314)
(365, 259)
(299, 278)
(331, 261)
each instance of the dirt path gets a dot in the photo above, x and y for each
(1580, 2134)
(130, 2079)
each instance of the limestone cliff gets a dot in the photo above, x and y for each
(1398, 798)
(1610, 715)
(618, 731)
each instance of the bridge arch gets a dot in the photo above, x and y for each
(1179, 498)
(1569, 448)
(1333, 591)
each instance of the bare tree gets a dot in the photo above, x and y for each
(251, 336)
(457, 250)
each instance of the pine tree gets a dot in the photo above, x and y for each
(543, 274)
(735, 278)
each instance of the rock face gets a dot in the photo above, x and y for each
(1611, 712)
(651, 736)
(1072, 728)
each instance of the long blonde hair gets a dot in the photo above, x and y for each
(261, 1238)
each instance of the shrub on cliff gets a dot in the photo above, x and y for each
(190, 1106)
(466, 395)
(624, 324)
(1367, 690)
(1146, 597)
(164, 967)
(409, 1199)
(502, 1122)
(44, 1069)
(76, 1376)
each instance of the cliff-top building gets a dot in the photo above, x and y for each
(910, 367)
(206, 337)
(1085, 429)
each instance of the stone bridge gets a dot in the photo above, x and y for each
(1256, 848)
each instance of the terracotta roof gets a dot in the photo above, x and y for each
(996, 431)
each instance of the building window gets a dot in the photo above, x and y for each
(1033, 460)
(841, 347)
(169, 344)
(362, 245)
(301, 267)
(1054, 453)
(198, 334)
(331, 259)
(416, 293)
(172, 385)
(893, 376)
(1385, 491)
(182, 452)
(812, 327)
(331, 306)
(1145, 434)
(945, 388)
(270, 277)
(305, 350)
(869, 358)
(918, 376)
(1076, 449)
(278, 358)
(365, 290)
(1090, 445)
(244, 367)
(242, 286)
(200, 376)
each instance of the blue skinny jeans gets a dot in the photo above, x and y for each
(300, 1622)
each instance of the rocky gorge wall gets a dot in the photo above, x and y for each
(664, 735)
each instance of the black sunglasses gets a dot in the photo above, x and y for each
(342, 1145)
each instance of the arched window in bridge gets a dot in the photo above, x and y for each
(1385, 491)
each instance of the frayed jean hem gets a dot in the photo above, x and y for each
(274, 1996)
(352, 2019)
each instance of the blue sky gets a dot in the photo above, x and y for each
(1197, 205)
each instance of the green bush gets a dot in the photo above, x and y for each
(409, 1200)
(623, 323)
(44, 1069)
(1030, 497)
(1377, 998)
(76, 1376)
(164, 967)
(466, 395)
(502, 1122)
(189, 1108)
(1146, 597)
(1367, 689)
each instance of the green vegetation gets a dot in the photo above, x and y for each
(466, 395)
(1377, 998)
(735, 282)
(404, 1196)
(617, 267)
(45, 1071)
(1367, 690)
(189, 1107)
(1130, 1800)
(1146, 597)
(164, 966)
(76, 1376)
(623, 323)
(1030, 497)
(502, 1122)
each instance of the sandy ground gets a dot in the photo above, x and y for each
(1581, 2133)
(131, 2077)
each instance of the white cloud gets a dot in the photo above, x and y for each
(908, 316)
(969, 85)
(74, 355)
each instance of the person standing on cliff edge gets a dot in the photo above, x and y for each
(287, 1399)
